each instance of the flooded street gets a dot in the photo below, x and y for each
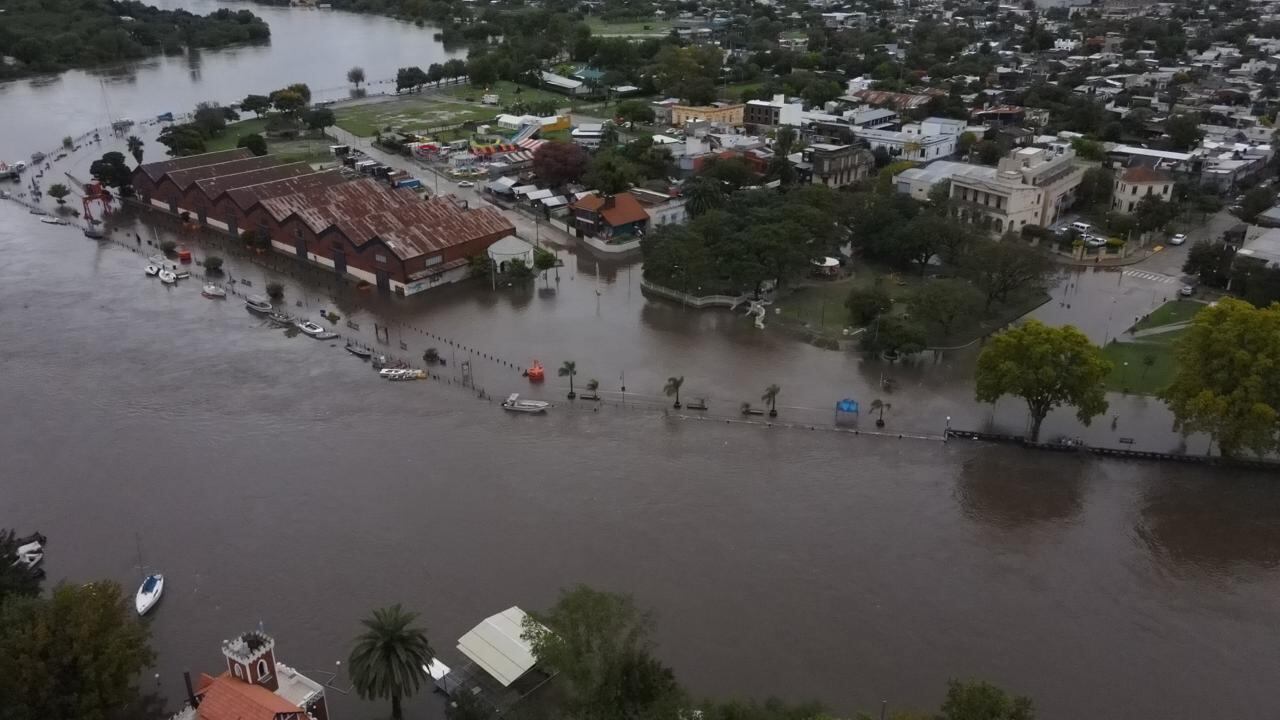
(274, 479)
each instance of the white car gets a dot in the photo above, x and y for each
(1187, 291)
(1177, 239)
(1093, 241)
(466, 184)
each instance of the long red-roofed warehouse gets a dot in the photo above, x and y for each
(362, 228)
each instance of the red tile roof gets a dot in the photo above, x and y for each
(625, 209)
(156, 170)
(1144, 174)
(226, 698)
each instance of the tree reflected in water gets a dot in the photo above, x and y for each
(1010, 488)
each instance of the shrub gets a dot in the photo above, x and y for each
(213, 264)
(275, 290)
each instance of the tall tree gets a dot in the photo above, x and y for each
(76, 654)
(288, 102)
(568, 369)
(256, 104)
(134, 144)
(945, 305)
(610, 173)
(672, 389)
(599, 643)
(355, 75)
(1000, 269)
(112, 171)
(388, 657)
(1256, 201)
(410, 77)
(1095, 187)
(59, 192)
(1225, 384)
(1183, 131)
(557, 163)
(1047, 367)
(319, 118)
(703, 194)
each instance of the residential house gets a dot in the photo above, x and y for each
(1138, 181)
(255, 686)
(610, 216)
(662, 208)
(1030, 186)
(838, 165)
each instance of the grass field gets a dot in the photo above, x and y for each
(507, 92)
(229, 137)
(304, 149)
(1151, 363)
(629, 27)
(409, 114)
(1176, 311)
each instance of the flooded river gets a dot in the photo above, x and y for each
(274, 479)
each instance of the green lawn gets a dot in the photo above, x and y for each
(232, 134)
(1174, 311)
(629, 27)
(820, 305)
(1137, 376)
(409, 114)
(507, 92)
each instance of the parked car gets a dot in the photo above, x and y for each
(1177, 239)
(1187, 291)
(466, 184)
(1093, 241)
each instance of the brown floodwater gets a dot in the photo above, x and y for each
(275, 480)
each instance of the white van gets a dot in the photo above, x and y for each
(1082, 228)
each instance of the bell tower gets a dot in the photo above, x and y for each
(251, 658)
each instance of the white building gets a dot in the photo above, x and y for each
(930, 139)
(1138, 181)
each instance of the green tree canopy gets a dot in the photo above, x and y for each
(254, 142)
(944, 306)
(1095, 187)
(599, 643)
(1047, 367)
(76, 654)
(1000, 269)
(319, 118)
(256, 104)
(1225, 384)
(1256, 201)
(978, 700)
(111, 170)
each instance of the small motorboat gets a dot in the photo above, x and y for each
(361, 352)
(513, 403)
(280, 317)
(535, 373)
(213, 292)
(309, 327)
(167, 277)
(149, 593)
(52, 220)
(392, 373)
(153, 270)
(30, 551)
(182, 274)
(327, 335)
(258, 304)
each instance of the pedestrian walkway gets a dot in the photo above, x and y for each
(1153, 277)
(1160, 330)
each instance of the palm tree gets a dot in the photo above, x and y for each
(388, 657)
(703, 194)
(135, 148)
(673, 388)
(880, 405)
(771, 396)
(569, 369)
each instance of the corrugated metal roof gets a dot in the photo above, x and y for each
(156, 170)
(215, 186)
(186, 176)
(498, 646)
(245, 197)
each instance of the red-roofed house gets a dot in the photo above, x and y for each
(609, 216)
(254, 687)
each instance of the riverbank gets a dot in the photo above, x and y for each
(311, 474)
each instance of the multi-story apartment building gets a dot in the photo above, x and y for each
(1031, 186)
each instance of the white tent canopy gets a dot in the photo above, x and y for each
(496, 646)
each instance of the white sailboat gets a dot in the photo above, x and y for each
(150, 590)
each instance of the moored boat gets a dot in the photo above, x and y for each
(309, 327)
(149, 593)
(52, 220)
(513, 403)
(167, 277)
(281, 317)
(213, 291)
(535, 372)
(182, 274)
(363, 353)
(392, 373)
(327, 335)
(152, 270)
(258, 304)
